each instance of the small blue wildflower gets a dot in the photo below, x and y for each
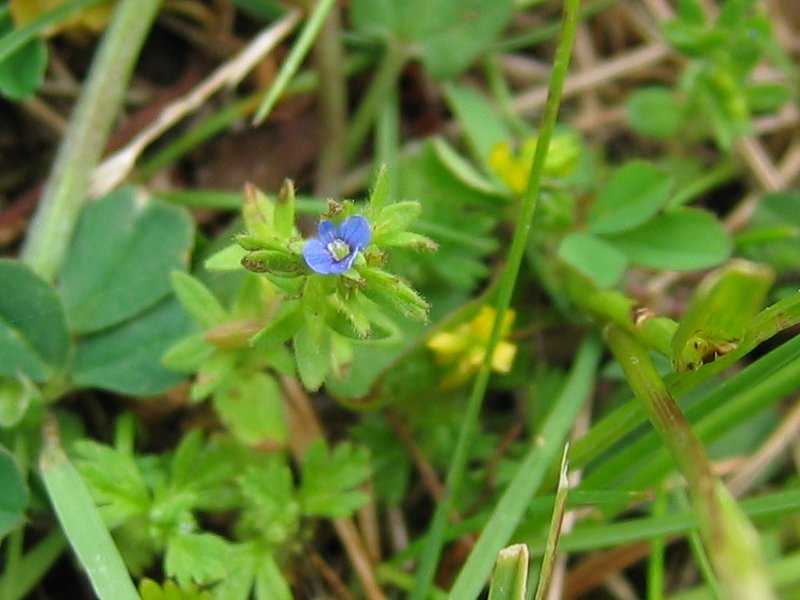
(337, 247)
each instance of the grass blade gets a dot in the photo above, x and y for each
(82, 523)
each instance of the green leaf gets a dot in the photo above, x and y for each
(16, 396)
(655, 112)
(253, 566)
(251, 406)
(187, 354)
(82, 524)
(313, 355)
(773, 234)
(115, 480)
(198, 557)
(722, 307)
(447, 34)
(33, 333)
(271, 508)
(483, 127)
(227, 259)
(118, 265)
(150, 590)
(461, 168)
(633, 195)
(197, 299)
(594, 257)
(767, 97)
(127, 358)
(22, 72)
(509, 579)
(328, 479)
(683, 240)
(14, 499)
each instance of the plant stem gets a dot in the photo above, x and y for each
(730, 540)
(333, 105)
(380, 87)
(435, 535)
(387, 145)
(295, 58)
(67, 187)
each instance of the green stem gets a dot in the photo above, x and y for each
(67, 188)
(435, 535)
(387, 145)
(333, 105)
(658, 545)
(33, 566)
(382, 84)
(13, 555)
(294, 59)
(729, 538)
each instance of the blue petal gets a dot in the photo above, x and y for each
(317, 257)
(355, 231)
(327, 232)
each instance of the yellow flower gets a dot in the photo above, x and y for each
(514, 167)
(464, 348)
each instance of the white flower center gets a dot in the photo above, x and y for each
(339, 249)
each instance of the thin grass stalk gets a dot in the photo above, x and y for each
(543, 589)
(435, 535)
(517, 498)
(658, 546)
(730, 540)
(383, 82)
(329, 57)
(67, 187)
(34, 565)
(297, 54)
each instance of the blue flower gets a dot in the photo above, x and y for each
(337, 247)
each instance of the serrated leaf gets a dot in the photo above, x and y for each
(33, 333)
(196, 557)
(127, 358)
(272, 509)
(115, 480)
(329, 479)
(14, 499)
(251, 406)
(593, 257)
(253, 568)
(683, 240)
(119, 262)
(150, 590)
(634, 194)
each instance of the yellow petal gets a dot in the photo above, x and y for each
(503, 356)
